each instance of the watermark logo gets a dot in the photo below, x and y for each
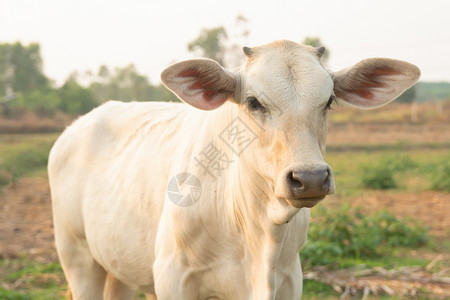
(184, 189)
(238, 136)
(213, 160)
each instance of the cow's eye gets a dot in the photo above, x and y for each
(254, 104)
(332, 98)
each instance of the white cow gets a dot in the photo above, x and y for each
(211, 200)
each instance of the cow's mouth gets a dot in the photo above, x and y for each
(304, 202)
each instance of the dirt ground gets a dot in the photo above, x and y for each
(26, 225)
(384, 133)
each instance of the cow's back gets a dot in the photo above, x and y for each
(108, 173)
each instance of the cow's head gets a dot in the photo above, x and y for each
(284, 93)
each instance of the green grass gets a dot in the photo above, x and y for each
(440, 178)
(23, 155)
(34, 269)
(379, 175)
(413, 171)
(348, 233)
(313, 289)
(389, 258)
(11, 295)
(24, 278)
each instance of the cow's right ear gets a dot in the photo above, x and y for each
(202, 83)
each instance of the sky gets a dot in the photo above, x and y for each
(81, 35)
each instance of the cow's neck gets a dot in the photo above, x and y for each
(273, 247)
(247, 207)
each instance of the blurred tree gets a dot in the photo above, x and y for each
(22, 79)
(44, 102)
(100, 85)
(432, 91)
(223, 45)
(131, 85)
(21, 75)
(21, 68)
(126, 84)
(103, 73)
(75, 99)
(316, 42)
(210, 43)
(239, 34)
(161, 93)
(409, 95)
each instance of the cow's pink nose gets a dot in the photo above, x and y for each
(309, 182)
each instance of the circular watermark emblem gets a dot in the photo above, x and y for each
(184, 189)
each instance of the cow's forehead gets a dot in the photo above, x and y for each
(284, 71)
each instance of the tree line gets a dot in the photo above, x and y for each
(24, 86)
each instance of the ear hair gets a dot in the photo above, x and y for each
(210, 80)
(374, 82)
(202, 83)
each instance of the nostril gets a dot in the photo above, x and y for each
(326, 182)
(294, 180)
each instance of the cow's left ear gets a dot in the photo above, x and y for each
(374, 82)
(202, 83)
